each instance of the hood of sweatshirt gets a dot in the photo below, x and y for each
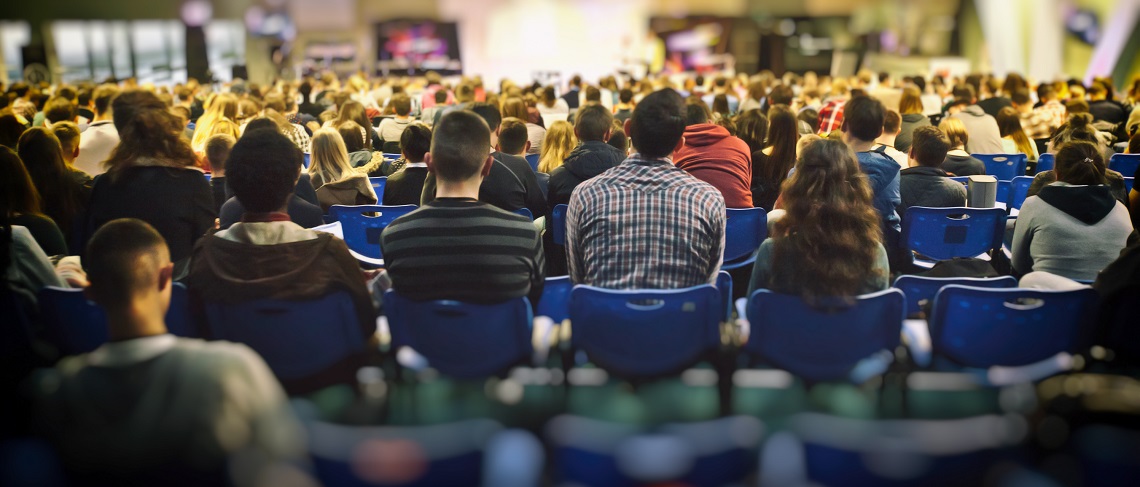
(974, 111)
(1089, 204)
(705, 134)
(592, 158)
(913, 117)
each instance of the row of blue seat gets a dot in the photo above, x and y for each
(1005, 167)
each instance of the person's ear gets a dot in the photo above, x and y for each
(487, 166)
(165, 276)
(606, 137)
(429, 163)
(680, 144)
(527, 146)
(75, 151)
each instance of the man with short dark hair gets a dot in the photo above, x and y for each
(59, 109)
(390, 129)
(1104, 109)
(647, 224)
(862, 124)
(715, 156)
(592, 157)
(149, 408)
(513, 137)
(924, 183)
(101, 136)
(571, 95)
(405, 186)
(457, 246)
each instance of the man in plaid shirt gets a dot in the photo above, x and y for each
(831, 115)
(647, 224)
(1037, 125)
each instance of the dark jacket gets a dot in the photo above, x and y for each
(571, 98)
(910, 122)
(1107, 111)
(929, 186)
(589, 159)
(994, 105)
(405, 187)
(300, 212)
(510, 185)
(963, 165)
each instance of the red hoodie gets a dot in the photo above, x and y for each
(714, 156)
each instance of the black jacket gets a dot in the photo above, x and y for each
(589, 159)
(929, 186)
(510, 185)
(994, 105)
(963, 165)
(404, 187)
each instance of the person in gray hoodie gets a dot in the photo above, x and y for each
(985, 138)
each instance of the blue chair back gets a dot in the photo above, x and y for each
(306, 160)
(207, 175)
(724, 287)
(16, 329)
(297, 339)
(1002, 192)
(1004, 167)
(980, 327)
(965, 180)
(645, 333)
(825, 342)
(543, 183)
(1128, 183)
(555, 301)
(946, 233)
(920, 288)
(1019, 190)
(378, 184)
(391, 156)
(1125, 164)
(75, 325)
(744, 230)
(558, 224)
(525, 212)
(532, 159)
(462, 340)
(361, 231)
(1045, 162)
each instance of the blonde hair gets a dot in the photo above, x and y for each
(223, 107)
(557, 144)
(955, 130)
(221, 126)
(911, 101)
(329, 157)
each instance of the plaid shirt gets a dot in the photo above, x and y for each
(299, 137)
(831, 116)
(1052, 115)
(645, 224)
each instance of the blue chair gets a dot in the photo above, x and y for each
(1125, 164)
(1002, 192)
(75, 325)
(965, 180)
(307, 159)
(362, 231)
(391, 156)
(744, 230)
(1004, 167)
(207, 175)
(946, 233)
(525, 212)
(558, 224)
(307, 344)
(1128, 183)
(462, 340)
(919, 288)
(645, 334)
(835, 340)
(983, 328)
(555, 301)
(543, 183)
(378, 185)
(1019, 189)
(724, 287)
(1045, 163)
(532, 159)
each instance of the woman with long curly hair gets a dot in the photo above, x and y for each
(558, 144)
(828, 243)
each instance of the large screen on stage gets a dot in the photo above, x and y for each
(693, 43)
(415, 47)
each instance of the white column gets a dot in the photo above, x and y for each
(1002, 31)
(1046, 35)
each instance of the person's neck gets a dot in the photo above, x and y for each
(136, 320)
(463, 189)
(888, 140)
(403, 117)
(102, 117)
(857, 145)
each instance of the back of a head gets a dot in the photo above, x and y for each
(59, 109)
(329, 157)
(863, 118)
(275, 102)
(954, 130)
(696, 113)
(964, 92)
(262, 170)
(1019, 97)
(625, 95)
(489, 113)
(929, 146)
(261, 123)
(781, 95)
(18, 193)
(1008, 121)
(42, 155)
(68, 135)
(752, 128)
(1079, 127)
(1134, 143)
(892, 122)
(440, 97)
(461, 143)
(353, 135)
(218, 150)
(465, 93)
(10, 130)
(658, 123)
(592, 122)
(147, 129)
(1076, 105)
(514, 107)
(911, 101)
(124, 257)
(402, 104)
(593, 94)
(415, 141)
(512, 136)
(1079, 162)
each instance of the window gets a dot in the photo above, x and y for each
(13, 36)
(153, 51)
(225, 47)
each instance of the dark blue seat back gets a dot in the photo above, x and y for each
(645, 333)
(75, 325)
(555, 302)
(946, 233)
(1125, 164)
(361, 231)
(525, 212)
(1129, 182)
(724, 287)
(17, 326)
(532, 159)
(1045, 162)
(378, 184)
(920, 288)
(306, 160)
(297, 339)
(825, 342)
(981, 327)
(558, 225)
(543, 183)
(1019, 190)
(462, 340)
(1004, 167)
(744, 230)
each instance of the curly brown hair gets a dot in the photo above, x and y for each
(831, 231)
(147, 130)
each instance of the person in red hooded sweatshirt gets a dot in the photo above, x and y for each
(715, 156)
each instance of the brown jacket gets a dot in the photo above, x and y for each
(349, 191)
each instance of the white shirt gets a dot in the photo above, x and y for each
(129, 352)
(95, 146)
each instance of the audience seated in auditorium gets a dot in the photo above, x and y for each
(515, 107)
(67, 189)
(405, 186)
(593, 127)
(1014, 140)
(557, 145)
(390, 129)
(829, 241)
(150, 408)
(991, 100)
(862, 124)
(959, 162)
(511, 183)
(1104, 109)
(336, 182)
(985, 138)
(551, 107)
(771, 164)
(265, 255)
(1078, 211)
(647, 224)
(892, 126)
(21, 204)
(217, 150)
(713, 155)
(456, 246)
(924, 183)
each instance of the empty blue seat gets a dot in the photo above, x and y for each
(532, 159)
(558, 224)
(1004, 167)
(1002, 192)
(555, 301)
(362, 229)
(1019, 189)
(462, 340)
(378, 185)
(525, 212)
(307, 344)
(827, 341)
(643, 334)
(1045, 162)
(1125, 164)
(744, 230)
(75, 325)
(946, 233)
(920, 288)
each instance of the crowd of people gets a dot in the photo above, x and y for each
(116, 175)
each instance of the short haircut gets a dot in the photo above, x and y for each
(123, 257)
(402, 104)
(68, 135)
(262, 170)
(489, 113)
(415, 141)
(625, 95)
(513, 135)
(84, 97)
(1019, 96)
(592, 122)
(460, 145)
(929, 146)
(353, 135)
(275, 102)
(593, 94)
(658, 123)
(964, 92)
(955, 130)
(696, 113)
(441, 96)
(261, 123)
(892, 122)
(863, 118)
(781, 95)
(59, 109)
(1080, 163)
(103, 96)
(1098, 89)
(217, 150)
